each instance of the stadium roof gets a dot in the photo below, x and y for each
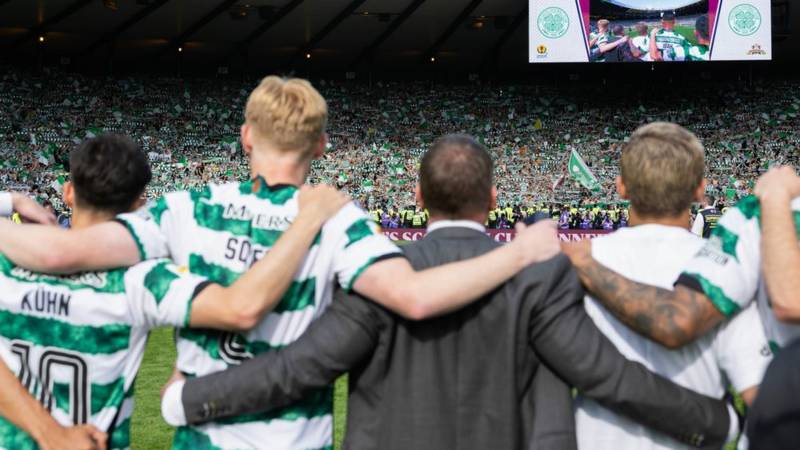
(459, 35)
(335, 33)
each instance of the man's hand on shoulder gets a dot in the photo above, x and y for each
(538, 242)
(31, 211)
(779, 184)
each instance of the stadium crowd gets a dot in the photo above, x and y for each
(261, 257)
(190, 127)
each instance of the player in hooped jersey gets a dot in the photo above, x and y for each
(221, 230)
(665, 43)
(749, 258)
(76, 341)
(661, 174)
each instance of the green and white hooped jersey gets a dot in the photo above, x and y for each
(697, 53)
(642, 43)
(673, 46)
(76, 342)
(728, 268)
(219, 233)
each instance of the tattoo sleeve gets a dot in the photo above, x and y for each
(671, 318)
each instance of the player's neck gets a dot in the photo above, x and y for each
(278, 168)
(680, 221)
(82, 218)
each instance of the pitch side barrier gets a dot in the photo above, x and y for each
(411, 234)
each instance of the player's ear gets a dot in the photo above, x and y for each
(68, 194)
(621, 187)
(321, 146)
(418, 196)
(247, 139)
(493, 198)
(700, 192)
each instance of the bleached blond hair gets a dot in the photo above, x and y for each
(287, 113)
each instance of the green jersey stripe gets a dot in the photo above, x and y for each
(728, 239)
(276, 196)
(158, 281)
(87, 339)
(316, 404)
(121, 437)
(358, 231)
(112, 282)
(214, 272)
(750, 207)
(157, 210)
(209, 341)
(103, 395)
(358, 273)
(139, 246)
(15, 439)
(214, 217)
(717, 296)
(300, 295)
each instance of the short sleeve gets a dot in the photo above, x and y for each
(727, 268)
(155, 226)
(161, 293)
(742, 349)
(360, 245)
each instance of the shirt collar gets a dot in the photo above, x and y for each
(471, 224)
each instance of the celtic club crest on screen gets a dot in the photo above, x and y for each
(744, 19)
(553, 22)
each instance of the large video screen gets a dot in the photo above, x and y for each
(609, 31)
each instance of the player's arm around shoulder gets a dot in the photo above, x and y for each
(439, 290)
(777, 191)
(243, 304)
(672, 318)
(52, 249)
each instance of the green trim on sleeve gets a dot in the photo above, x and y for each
(728, 239)
(717, 296)
(139, 246)
(358, 273)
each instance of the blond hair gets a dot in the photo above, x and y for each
(288, 113)
(603, 23)
(662, 167)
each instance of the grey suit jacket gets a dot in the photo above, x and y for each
(496, 374)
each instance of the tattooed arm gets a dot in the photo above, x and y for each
(671, 318)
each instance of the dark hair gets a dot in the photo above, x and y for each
(711, 200)
(455, 177)
(701, 25)
(618, 30)
(109, 172)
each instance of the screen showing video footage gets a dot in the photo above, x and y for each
(620, 31)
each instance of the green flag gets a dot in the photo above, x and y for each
(581, 172)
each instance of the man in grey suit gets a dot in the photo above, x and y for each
(496, 374)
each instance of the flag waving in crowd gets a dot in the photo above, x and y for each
(581, 172)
